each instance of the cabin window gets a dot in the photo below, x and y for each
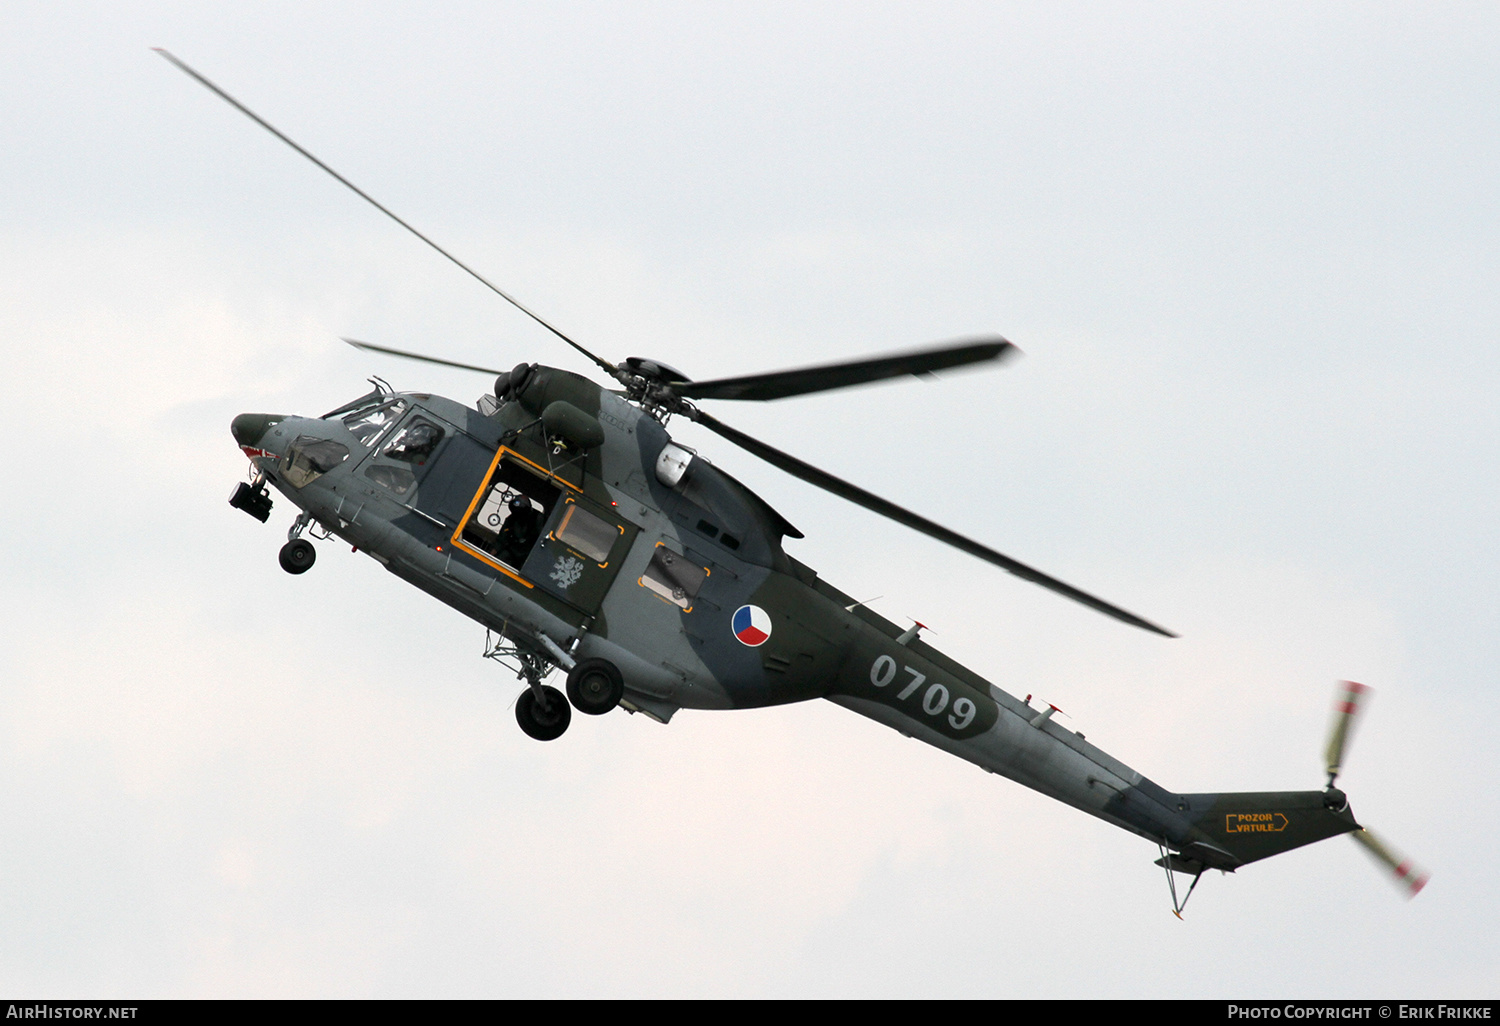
(675, 578)
(586, 534)
(367, 424)
(309, 458)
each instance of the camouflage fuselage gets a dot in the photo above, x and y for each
(650, 577)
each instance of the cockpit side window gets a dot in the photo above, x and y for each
(367, 424)
(415, 443)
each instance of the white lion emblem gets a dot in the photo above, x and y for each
(566, 571)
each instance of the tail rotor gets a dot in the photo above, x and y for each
(1346, 709)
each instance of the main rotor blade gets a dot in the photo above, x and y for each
(857, 495)
(1346, 706)
(372, 347)
(781, 384)
(263, 123)
(1407, 873)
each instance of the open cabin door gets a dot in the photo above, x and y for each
(540, 531)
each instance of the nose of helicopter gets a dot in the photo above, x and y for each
(249, 428)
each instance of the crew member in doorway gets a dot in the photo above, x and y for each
(519, 533)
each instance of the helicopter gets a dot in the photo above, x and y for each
(560, 514)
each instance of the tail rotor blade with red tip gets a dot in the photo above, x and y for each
(1407, 873)
(1345, 711)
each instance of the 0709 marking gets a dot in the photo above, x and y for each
(934, 700)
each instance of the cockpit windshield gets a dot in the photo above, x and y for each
(368, 424)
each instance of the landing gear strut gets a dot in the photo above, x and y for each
(542, 711)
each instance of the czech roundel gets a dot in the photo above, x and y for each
(752, 625)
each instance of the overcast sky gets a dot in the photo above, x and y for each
(1251, 254)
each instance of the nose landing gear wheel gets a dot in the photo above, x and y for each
(595, 686)
(543, 721)
(297, 556)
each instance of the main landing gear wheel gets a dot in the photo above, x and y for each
(297, 556)
(543, 719)
(595, 686)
